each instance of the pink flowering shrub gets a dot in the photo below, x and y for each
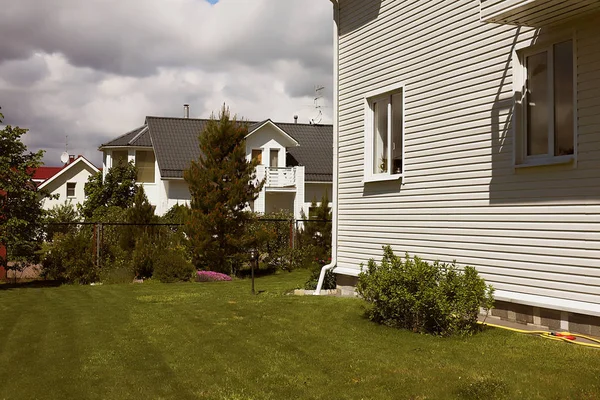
(211, 276)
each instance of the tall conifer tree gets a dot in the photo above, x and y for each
(222, 183)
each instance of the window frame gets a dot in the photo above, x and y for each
(135, 162)
(521, 159)
(74, 190)
(369, 134)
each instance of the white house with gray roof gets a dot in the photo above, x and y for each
(295, 161)
(469, 130)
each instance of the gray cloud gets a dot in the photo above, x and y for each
(93, 70)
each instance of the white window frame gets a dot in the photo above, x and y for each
(369, 99)
(521, 159)
(74, 190)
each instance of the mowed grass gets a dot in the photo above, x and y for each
(217, 341)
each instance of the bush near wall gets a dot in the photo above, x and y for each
(424, 297)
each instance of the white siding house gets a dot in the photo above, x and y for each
(470, 130)
(295, 161)
(67, 183)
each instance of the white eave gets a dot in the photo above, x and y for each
(535, 13)
(291, 141)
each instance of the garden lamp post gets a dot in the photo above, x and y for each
(253, 260)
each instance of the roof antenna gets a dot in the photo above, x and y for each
(318, 95)
(64, 157)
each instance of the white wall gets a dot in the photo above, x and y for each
(77, 174)
(530, 232)
(267, 139)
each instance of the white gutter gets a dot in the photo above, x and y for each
(336, 167)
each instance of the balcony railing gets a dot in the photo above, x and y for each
(280, 177)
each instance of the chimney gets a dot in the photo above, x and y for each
(71, 158)
(295, 119)
(186, 111)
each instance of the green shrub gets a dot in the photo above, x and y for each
(328, 283)
(171, 265)
(143, 256)
(423, 297)
(69, 258)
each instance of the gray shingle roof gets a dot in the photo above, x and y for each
(315, 151)
(175, 142)
(132, 138)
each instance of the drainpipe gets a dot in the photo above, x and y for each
(334, 222)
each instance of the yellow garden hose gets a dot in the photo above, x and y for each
(562, 336)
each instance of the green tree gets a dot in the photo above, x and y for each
(222, 184)
(21, 213)
(61, 218)
(317, 229)
(117, 189)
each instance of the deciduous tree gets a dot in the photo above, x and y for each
(21, 213)
(117, 189)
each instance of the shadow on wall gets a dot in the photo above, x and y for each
(510, 185)
(354, 14)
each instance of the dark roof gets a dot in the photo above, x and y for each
(135, 137)
(175, 142)
(315, 151)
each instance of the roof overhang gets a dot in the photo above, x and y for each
(535, 13)
(68, 167)
(288, 140)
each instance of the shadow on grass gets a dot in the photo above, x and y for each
(36, 284)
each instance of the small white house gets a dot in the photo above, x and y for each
(470, 130)
(67, 182)
(295, 161)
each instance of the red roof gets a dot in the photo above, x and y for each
(43, 173)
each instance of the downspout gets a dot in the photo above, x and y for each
(334, 222)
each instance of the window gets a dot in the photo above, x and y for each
(144, 162)
(119, 157)
(257, 155)
(274, 158)
(384, 133)
(547, 107)
(71, 189)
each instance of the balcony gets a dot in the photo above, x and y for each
(535, 13)
(278, 179)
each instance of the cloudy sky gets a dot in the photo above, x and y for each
(94, 69)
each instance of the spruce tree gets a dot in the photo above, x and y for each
(222, 183)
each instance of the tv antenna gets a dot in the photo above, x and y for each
(64, 157)
(318, 95)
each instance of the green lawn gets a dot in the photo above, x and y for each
(216, 341)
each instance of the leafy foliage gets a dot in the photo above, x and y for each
(329, 281)
(221, 184)
(69, 258)
(117, 189)
(315, 238)
(317, 229)
(172, 266)
(61, 218)
(424, 297)
(176, 214)
(20, 200)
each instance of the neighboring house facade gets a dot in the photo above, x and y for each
(470, 130)
(66, 183)
(295, 161)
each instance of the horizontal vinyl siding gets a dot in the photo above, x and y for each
(534, 231)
